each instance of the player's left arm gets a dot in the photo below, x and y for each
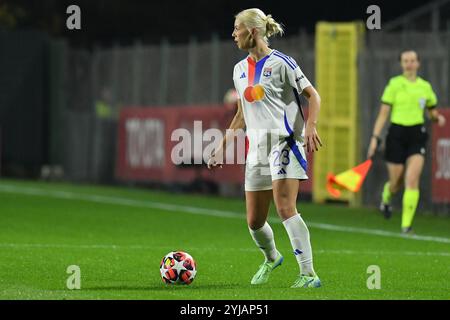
(436, 116)
(301, 83)
(431, 103)
(312, 139)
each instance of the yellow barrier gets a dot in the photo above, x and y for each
(337, 48)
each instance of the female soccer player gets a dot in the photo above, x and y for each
(268, 83)
(406, 96)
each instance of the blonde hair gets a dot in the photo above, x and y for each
(265, 24)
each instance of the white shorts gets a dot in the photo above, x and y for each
(282, 163)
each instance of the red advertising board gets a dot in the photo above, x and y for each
(440, 174)
(148, 139)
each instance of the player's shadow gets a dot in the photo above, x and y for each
(164, 287)
(118, 288)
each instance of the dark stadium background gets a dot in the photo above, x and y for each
(110, 21)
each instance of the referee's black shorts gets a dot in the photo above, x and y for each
(403, 141)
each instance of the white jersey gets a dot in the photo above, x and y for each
(266, 89)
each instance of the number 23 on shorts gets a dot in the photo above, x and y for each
(280, 158)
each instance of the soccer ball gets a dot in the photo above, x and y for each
(178, 267)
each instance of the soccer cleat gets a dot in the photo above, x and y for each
(307, 282)
(263, 273)
(386, 210)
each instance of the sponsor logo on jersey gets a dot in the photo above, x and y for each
(243, 75)
(267, 72)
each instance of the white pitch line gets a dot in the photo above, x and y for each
(200, 211)
(377, 232)
(143, 247)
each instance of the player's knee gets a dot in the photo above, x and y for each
(286, 211)
(255, 223)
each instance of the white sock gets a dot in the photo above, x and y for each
(264, 239)
(299, 235)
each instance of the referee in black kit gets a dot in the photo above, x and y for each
(405, 97)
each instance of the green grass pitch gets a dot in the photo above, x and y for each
(117, 236)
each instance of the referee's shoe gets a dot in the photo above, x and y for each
(386, 209)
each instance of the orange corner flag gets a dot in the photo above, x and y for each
(351, 179)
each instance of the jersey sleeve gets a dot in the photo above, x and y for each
(431, 98)
(388, 96)
(296, 77)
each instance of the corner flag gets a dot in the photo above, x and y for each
(351, 179)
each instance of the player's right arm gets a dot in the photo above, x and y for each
(238, 122)
(387, 101)
(382, 117)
